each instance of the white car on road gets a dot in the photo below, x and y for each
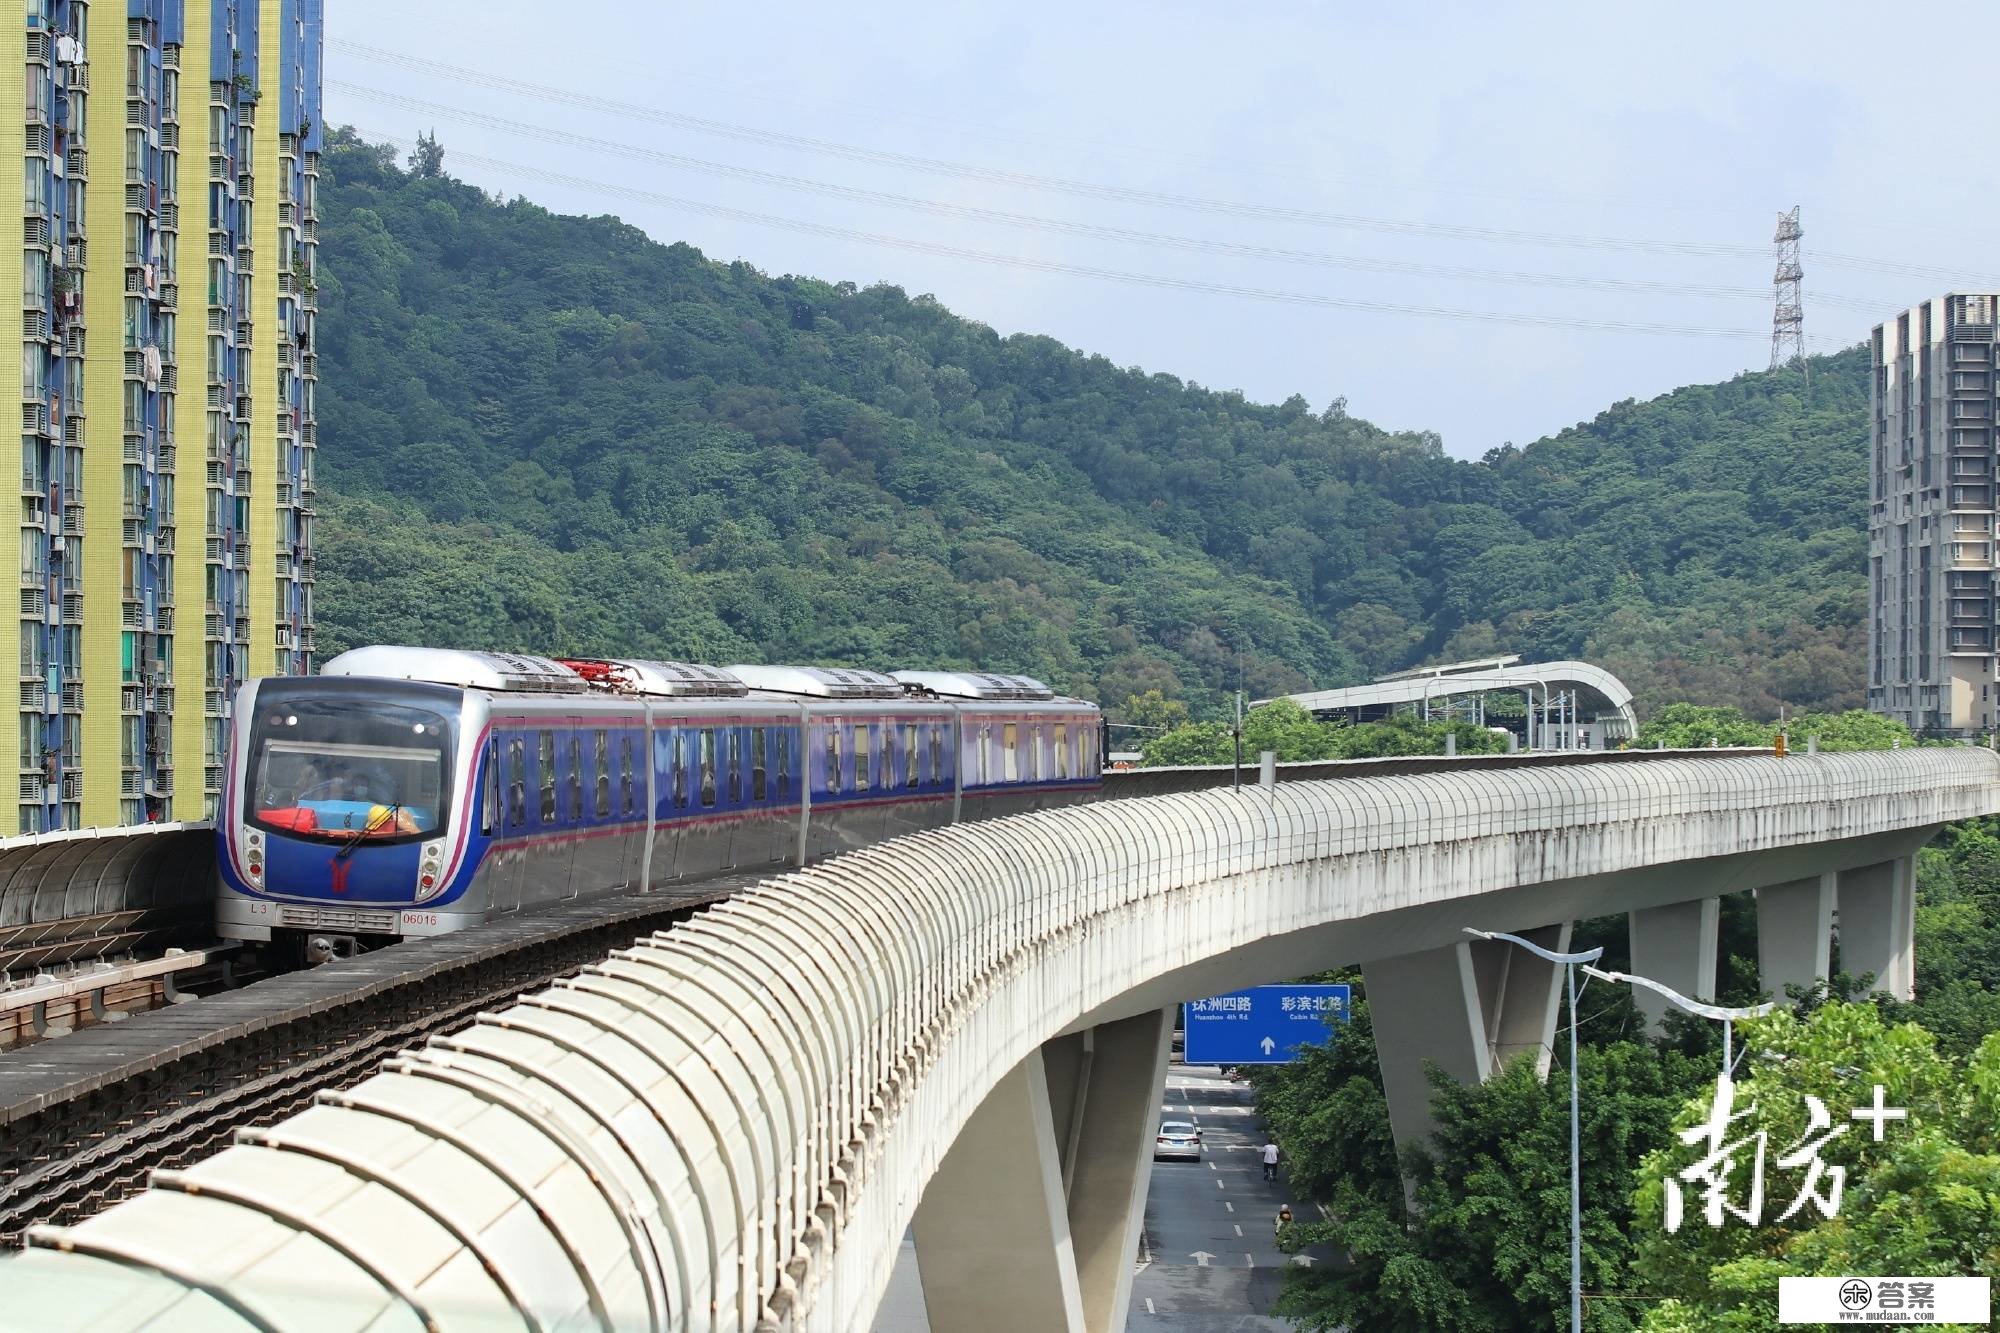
(1177, 1139)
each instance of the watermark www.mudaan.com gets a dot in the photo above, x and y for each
(1814, 1300)
(1885, 1300)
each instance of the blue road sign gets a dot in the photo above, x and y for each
(1264, 1025)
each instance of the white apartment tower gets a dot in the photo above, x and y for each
(1930, 524)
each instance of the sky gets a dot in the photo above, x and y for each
(1487, 221)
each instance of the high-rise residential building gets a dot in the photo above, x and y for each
(170, 161)
(1930, 527)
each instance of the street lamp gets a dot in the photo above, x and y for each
(1568, 963)
(1699, 1008)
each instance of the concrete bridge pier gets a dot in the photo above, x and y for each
(1877, 907)
(1033, 1217)
(1470, 1008)
(1674, 945)
(1795, 933)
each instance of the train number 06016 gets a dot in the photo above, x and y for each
(420, 918)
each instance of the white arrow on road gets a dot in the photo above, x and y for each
(1305, 1260)
(1267, 1045)
(1201, 1258)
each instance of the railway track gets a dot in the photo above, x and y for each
(85, 1119)
(327, 1028)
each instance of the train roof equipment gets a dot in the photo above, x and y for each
(819, 682)
(511, 672)
(974, 685)
(675, 680)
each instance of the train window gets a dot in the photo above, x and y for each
(680, 769)
(985, 754)
(1062, 750)
(833, 773)
(757, 791)
(575, 748)
(1010, 759)
(603, 771)
(545, 752)
(735, 765)
(909, 754)
(707, 735)
(937, 753)
(517, 782)
(784, 762)
(489, 790)
(1033, 768)
(627, 797)
(861, 757)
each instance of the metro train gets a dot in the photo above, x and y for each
(412, 791)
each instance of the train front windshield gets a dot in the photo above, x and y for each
(338, 767)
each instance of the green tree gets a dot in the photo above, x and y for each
(1695, 726)
(1477, 1252)
(1153, 711)
(1855, 729)
(1196, 743)
(1297, 737)
(1925, 1201)
(427, 159)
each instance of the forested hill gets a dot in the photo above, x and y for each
(553, 433)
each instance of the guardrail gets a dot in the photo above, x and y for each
(1124, 782)
(26, 1006)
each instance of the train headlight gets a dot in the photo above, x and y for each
(253, 857)
(430, 870)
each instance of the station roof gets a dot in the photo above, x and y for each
(1598, 691)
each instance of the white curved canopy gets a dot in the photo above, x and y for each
(1599, 692)
(729, 1125)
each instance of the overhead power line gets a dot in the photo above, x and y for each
(1895, 268)
(1681, 200)
(973, 213)
(1157, 281)
(1029, 180)
(1151, 198)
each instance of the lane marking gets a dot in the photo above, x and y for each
(1238, 1226)
(1219, 1185)
(1230, 1206)
(1248, 1262)
(1149, 1306)
(1213, 1167)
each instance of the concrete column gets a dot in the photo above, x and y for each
(1794, 934)
(1878, 907)
(1522, 1023)
(992, 1230)
(1674, 946)
(1469, 1008)
(1117, 1120)
(1032, 1220)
